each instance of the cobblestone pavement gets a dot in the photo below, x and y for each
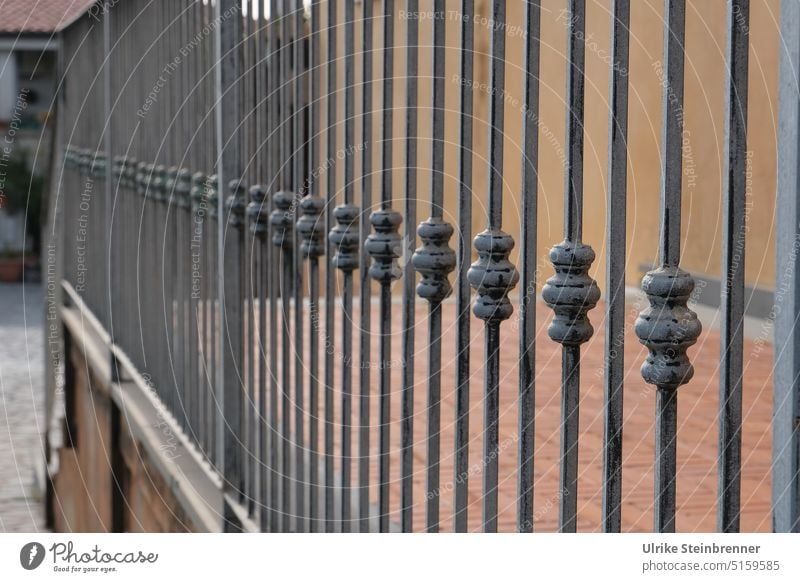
(21, 407)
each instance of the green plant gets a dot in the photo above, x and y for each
(6, 254)
(23, 194)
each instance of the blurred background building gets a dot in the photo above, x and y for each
(29, 45)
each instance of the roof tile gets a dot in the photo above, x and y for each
(39, 16)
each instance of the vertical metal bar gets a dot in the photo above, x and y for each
(364, 278)
(786, 407)
(198, 210)
(274, 186)
(345, 239)
(181, 194)
(210, 321)
(571, 293)
(212, 251)
(492, 345)
(235, 307)
(163, 318)
(463, 294)
(179, 318)
(573, 201)
(228, 169)
(615, 266)
(258, 212)
(153, 195)
(282, 238)
(311, 228)
(265, 438)
(193, 125)
(527, 312)
(138, 229)
(258, 218)
(256, 244)
(675, 16)
(733, 256)
(667, 328)
(209, 232)
(248, 435)
(298, 186)
(258, 427)
(146, 293)
(108, 191)
(258, 195)
(116, 175)
(493, 275)
(313, 248)
(185, 147)
(666, 401)
(219, 212)
(167, 226)
(216, 317)
(384, 246)
(171, 272)
(409, 313)
(330, 70)
(435, 260)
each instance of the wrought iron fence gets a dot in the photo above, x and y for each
(227, 238)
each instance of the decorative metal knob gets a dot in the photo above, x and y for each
(434, 260)
(668, 327)
(98, 165)
(158, 183)
(235, 203)
(258, 211)
(493, 276)
(212, 195)
(84, 161)
(344, 237)
(70, 157)
(384, 245)
(183, 188)
(197, 194)
(311, 227)
(118, 167)
(281, 219)
(129, 172)
(121, 168)
(142, 177)
(170, 180)
(571, 293)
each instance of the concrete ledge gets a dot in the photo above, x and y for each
(186, 476)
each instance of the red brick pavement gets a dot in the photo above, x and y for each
(697, 440)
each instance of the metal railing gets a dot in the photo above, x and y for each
(226, 200)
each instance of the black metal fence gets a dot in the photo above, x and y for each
(209, 230)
